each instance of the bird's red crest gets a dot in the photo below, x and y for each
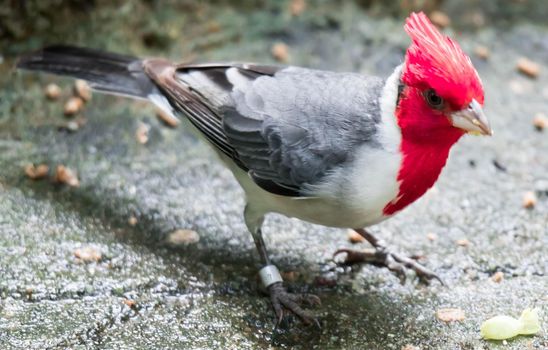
(435, 61)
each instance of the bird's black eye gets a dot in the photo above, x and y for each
(433, 99)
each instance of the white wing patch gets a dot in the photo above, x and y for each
(237, 79)
(162, 103)
(199, 81)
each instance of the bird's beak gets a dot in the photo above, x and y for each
(472, 119)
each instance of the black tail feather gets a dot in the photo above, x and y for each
(104, 71)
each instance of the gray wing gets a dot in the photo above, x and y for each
(287, 127)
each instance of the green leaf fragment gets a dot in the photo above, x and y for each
(505, 327)
(500, 327)
(529, 321)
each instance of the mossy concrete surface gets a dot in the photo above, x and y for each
(139, 291)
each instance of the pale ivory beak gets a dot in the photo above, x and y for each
(472, 119)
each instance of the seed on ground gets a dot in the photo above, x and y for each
(73, 106)
(66, 176)
(410, 347)
(132, 221)
(482, 52)
(52, 91)
(431, 236)
(82, 89)
(183, 237)
(280, 52)
(354, 237)
(440, 19)
(167, 118)
(36, 172)
(528, 67)
(450, 314)
(540, 121)
(497, 277)
(529, 200)
(296, 7)
(463, 242)
(129, 302)
(87, 254)
(141, 134)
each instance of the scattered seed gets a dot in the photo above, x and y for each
(82, 89)
(410, 347)
(440, 19)
(528, 67)
(67, 176)
(354, 237)
(87, 254)
(529, 200)
(431, 236)
(497, 277)
(450, 315)
(296, 7)
(53, 91)
(132, 221)
(482, 52)
(73, 106)
(129, 302)
(141, 134)
(167, 118)
(280, 52)
(36, 172)
(183, 237)
(540, 121)
(463, 242)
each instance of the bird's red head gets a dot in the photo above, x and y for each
(443, 94)
(441, 100)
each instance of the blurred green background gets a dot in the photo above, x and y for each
(191, 26)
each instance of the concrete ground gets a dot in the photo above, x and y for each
(137, 289)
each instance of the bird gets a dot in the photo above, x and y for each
(338, 149)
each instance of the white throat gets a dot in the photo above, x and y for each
(390, 132)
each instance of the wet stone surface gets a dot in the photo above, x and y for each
(132, 289)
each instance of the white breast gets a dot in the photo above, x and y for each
(355, 199)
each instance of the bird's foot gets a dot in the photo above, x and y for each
(397, 263)
(283, 300)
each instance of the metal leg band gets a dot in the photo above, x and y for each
(270, 275)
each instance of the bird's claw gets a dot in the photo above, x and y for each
(283, 300)
(396, 263)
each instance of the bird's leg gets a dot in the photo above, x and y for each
(382, 256)
(272, 280)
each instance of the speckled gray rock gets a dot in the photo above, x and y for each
(144, 293)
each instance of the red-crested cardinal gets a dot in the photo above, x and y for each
(335, 149)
